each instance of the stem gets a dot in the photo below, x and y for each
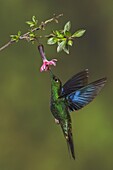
(6, 45)
(41, 51)
(26, 35)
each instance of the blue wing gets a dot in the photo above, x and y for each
(76, 82)
(81, 97)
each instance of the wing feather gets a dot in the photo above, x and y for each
(81, 97)
(76, 82)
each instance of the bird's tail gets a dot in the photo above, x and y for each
(69, 138)
(70, 144)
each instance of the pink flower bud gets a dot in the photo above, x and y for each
(46, 64)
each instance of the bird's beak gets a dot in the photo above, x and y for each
(51, 73)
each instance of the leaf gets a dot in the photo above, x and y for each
(32, 23)
(29, 22)
(34, 19)
(67, 26)
(66, 49)
(32, 36)
(19, 33)
(78, 33)
(16, 37)
(52, 40)
(61, 46)
(59, 34)
(68, 34)
(70, 42)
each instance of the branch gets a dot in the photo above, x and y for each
(26, 35)
(6, 45)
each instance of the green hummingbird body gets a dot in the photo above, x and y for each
(73, 95)
(60, 111)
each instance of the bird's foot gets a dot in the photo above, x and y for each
(56, 121)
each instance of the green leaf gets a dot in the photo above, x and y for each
(59, 34)
(78, 33)
(68, 34)
(32, 23)
(67, 26)
(66, 49)
(29, 22)
(70, 42)
(34, 19)
(19, 33)
(16, 37)
(52, 40)
(61, 46)
(32, 36)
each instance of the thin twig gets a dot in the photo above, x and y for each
(26, 35)
(6, 45)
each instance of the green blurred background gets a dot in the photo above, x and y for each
(29, 138)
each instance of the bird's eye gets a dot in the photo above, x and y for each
(56, 79)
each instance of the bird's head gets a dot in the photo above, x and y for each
(55, 83)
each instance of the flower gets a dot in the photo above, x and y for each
(46, 64)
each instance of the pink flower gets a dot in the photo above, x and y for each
(46, 64)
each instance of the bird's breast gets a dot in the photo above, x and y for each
(59, 109)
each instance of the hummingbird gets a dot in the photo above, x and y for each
(72, 96)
